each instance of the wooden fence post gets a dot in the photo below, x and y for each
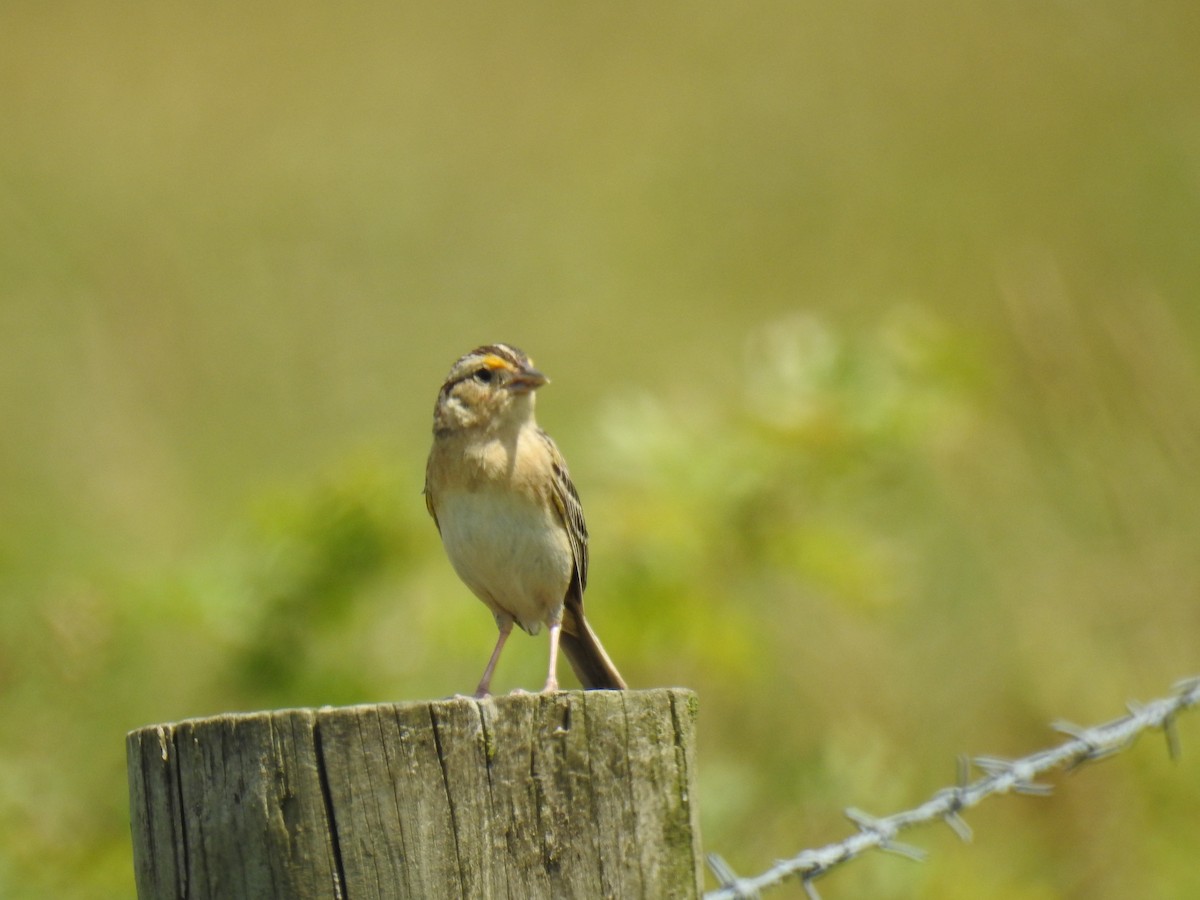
(575, 794)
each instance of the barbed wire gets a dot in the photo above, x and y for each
(1001, 776)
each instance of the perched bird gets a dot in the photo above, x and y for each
(509, 516)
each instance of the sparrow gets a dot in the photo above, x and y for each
(508, 513)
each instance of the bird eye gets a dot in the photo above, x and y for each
(484, 376)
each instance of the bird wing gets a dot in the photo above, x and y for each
(429, 495)
(570, 510)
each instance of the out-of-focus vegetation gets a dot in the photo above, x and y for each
(874, 339)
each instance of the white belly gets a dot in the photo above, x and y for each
(513, 555)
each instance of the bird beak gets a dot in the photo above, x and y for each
(527, 380)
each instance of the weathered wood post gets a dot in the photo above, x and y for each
(575, 794)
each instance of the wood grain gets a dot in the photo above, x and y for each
(573, 794)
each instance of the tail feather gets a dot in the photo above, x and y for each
(586, 655)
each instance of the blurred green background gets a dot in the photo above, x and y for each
(874, 336)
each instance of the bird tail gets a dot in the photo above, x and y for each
(586, 655)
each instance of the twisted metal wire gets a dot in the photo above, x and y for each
(1001, 776)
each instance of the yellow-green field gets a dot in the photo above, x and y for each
(875, 338)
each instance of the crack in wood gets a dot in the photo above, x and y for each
(170, 757)
(339, 870)
(443, 765)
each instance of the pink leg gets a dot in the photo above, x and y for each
(552, 677)
(485, 682)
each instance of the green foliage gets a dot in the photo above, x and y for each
(317, 556)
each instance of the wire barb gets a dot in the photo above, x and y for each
(1171, 732)
(1000, 776)
(727, 877)
(885, 831)
(1013, 775)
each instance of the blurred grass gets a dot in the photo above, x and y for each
(875, 354)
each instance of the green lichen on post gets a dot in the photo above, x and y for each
(487, 741)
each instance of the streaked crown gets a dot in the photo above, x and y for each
(490, 385)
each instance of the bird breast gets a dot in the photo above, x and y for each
(510, 550)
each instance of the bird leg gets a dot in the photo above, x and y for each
(485, 682)
(552, 677)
